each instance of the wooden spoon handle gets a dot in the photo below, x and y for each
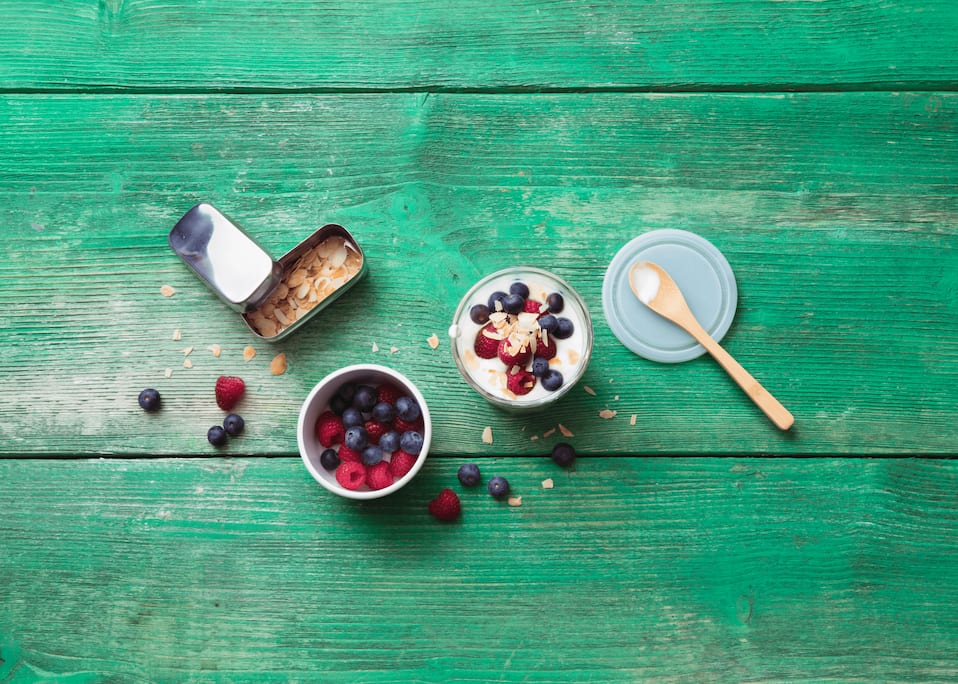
(771, 406)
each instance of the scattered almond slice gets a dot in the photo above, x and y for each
(278, 365)
(168, 373)
(588, 390)
(566, 432)
(216, 349)
(393, 350)
(167, 290)
(433, 341)
(632, 420)
(487, 435)
(515, 501)
(187, 351)
(176, 335)
(607, 414)
(187, 364)
(248, 353)
(615, 398)
(375, 347)
(548, 433)
(533, 438)
(548, 484)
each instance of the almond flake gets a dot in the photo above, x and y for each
(615, 398)
(168, 373)
(548, 484)
(472, 361)
(216, 349)
(533, 438)
(176, 335)
(278, 365)
(566, 432)
(607, 414)
(187, 351)
(588, 390)
(548, 433)
(515, 501)
(573, 357)
(375, 347)
(393, 350)
(248, 353)
(487, 435)
(632, 420)
(167, 290)
(187, 364)
(433, 341)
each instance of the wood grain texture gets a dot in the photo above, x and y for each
(836, 211)
(629, 569)
(476, 44)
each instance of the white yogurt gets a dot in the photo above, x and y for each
(645, 282)
(572, 353)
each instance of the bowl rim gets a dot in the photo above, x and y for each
(521, 405)
(302, 428)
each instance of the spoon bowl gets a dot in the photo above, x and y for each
(654, 287)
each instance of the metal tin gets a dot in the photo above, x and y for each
(274, 297)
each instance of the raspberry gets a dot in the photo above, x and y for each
(329, 429)
(511, 356)
(378, 476)
(532, 306)
(446, 506)
(229, 390)
(401, 426)
(389, 393)
(486, 347)
(520, 382)
(546, 350)
(401, 464)
(347, 454)
(374, 431)
(351, 474)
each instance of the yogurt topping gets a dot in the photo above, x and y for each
(572, 353)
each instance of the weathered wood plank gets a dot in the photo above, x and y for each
(629, 569)
(476, 44)
(836, 211)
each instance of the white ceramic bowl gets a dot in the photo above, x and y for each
(318, 401)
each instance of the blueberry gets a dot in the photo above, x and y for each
(411, 442)
(389, 442)
(383, 412)
(356, 438)
(564, 329)
(217, 436)
(479, 314)
(329, 459)
(552, 380)
(563, 454)
(352, 417)
(365, 398)
(513, 303)
(149, 400)
(233, 424)
(372, 455)
(540, 366)
(337, 405)
(496, 296)
(556, 302)
(347, 391)
(520, 289)
(407, 409)
(498, 486)
(469, 475)
(549, 323)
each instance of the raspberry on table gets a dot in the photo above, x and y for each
(229, 390)
(446, 506)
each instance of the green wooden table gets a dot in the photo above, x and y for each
(815, 143)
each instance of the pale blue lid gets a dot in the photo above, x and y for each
(701, 272)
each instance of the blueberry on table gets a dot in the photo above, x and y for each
(233, 424)
(564, 329)
(408, 409)
(552, 380)
(563, 454)
(356, 438)
(149, 399)
(549, 323)
(556, 302)
(329, 459)
(469, 475)
(411, 442)
(479, 314)
(498, 486)
(217, 436)
(495, 297)
(520, 289)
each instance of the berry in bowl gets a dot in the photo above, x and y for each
(364, 431)
(521, 337)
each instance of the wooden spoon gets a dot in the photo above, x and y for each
(656, 289)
